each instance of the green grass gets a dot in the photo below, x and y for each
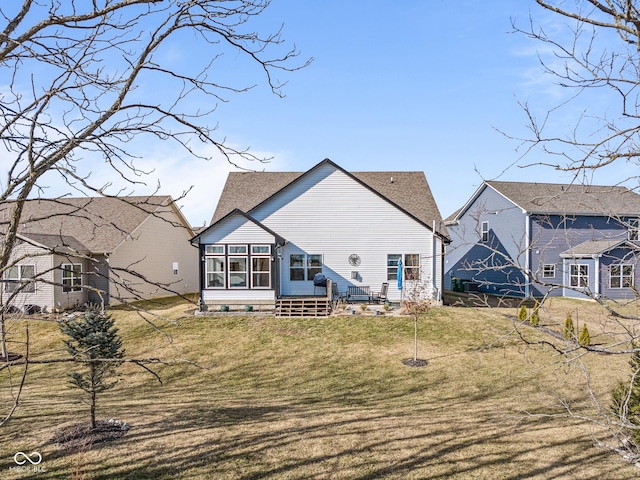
(286, 398)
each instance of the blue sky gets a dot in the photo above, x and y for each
(420, 85)
(411, 85)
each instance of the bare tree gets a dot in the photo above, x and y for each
(593, 56)
(90, 84)
(591, 50)
(87, 79)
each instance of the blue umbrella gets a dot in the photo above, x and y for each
(399, 274)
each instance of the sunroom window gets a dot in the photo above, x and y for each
(237, 272)
(237, 266)
(261, 266)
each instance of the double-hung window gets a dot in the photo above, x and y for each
(304, 266)
(621, 276)
(484, 232)
(579, 276)
(20, 274)
(71, 277)
(548, 270)
(633, 230)
(410, 265)
(392, 265)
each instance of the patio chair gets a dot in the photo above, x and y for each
(381, 296)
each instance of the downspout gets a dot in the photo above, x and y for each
(434, 269)
(564, 277)
(201, 279)
(596, 273)
(278, 267)
(527, 257)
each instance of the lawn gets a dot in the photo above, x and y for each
(279, 398)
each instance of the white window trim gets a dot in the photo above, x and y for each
(484, 232)
(235, 272)
(633, 232)
(394, 267)
(621, 276)
(579, 275)
(406, 268)
(71, 288)
(223, 273)
(19, 279)
(266, 255)
(552, 267)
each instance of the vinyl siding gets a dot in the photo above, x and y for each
(618, 256)
(329, 213)
(97, 277)
(554, 234)
(467, 255)
(150, 251)
(68, 299)
(566, 273)
(237, 229)
(43, 262)
(239, 298)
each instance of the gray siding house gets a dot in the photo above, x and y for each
(98, 249)
(536, 239)
(273, 231)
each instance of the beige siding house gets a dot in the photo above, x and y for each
(102, 249)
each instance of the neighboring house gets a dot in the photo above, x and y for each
(93, 249)
(534, 239)
(273, 231)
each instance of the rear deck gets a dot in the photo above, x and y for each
(314, 306)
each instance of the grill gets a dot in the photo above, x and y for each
(319, 280)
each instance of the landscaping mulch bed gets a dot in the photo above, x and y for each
(415, 362)
(83, 436)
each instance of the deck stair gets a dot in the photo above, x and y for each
(303, 307)
(316, 306)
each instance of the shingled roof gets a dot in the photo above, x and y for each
(596, 247)
(409, 191)
(556, 198)
(96, 224)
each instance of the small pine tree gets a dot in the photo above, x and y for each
(626, 399)
(535, 319)
(522, 313)
(93, 336)
(584, 338)
(569, 328)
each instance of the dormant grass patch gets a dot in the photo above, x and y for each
(323, 398)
